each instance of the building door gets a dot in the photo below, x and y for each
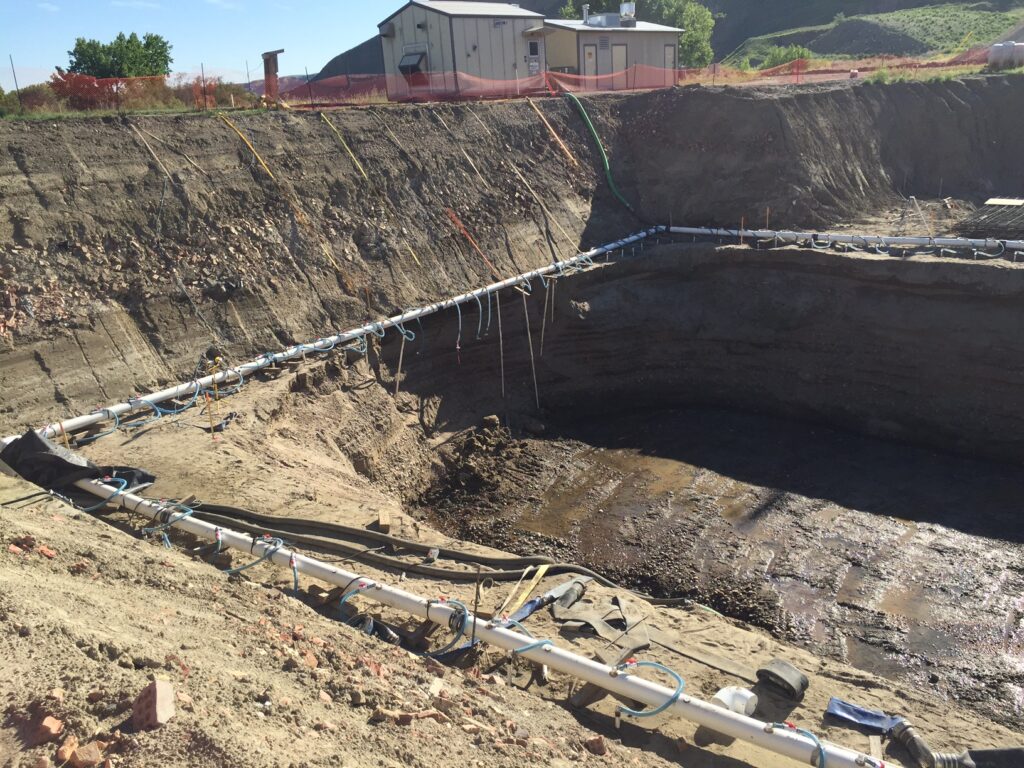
(619, 66)
(533, 58)
(670, 65)
(590, 67)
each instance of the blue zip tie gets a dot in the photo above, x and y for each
(532, 646)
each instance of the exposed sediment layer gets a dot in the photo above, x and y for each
(123, 275)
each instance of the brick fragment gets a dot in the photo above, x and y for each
(87, 756)
(154, 706)
(46, 552)
(67, 749)
(596, 745)
(49, 729)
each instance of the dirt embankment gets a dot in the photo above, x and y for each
(122, 274)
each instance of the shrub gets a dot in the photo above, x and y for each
(778, 55)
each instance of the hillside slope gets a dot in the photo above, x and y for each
(909, 32)
(739, 20)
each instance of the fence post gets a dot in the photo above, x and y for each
(21, 104)
(202, 72)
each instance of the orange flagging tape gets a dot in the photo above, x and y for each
(554, 135)
(462, 228)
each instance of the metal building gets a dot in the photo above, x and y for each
(437, 45)
(610, 43)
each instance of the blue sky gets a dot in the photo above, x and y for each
(221, 34)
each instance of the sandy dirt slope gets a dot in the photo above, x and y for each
(264, 679)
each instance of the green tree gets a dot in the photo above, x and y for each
(122, 57)
(695, 43)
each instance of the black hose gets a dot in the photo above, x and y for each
(293, 529)
(333, 530)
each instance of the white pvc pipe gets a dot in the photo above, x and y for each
(326, 343)
(781, 741)
(865, 241)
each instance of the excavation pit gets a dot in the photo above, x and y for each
(822, 446)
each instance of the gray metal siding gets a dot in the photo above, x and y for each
(643, 48)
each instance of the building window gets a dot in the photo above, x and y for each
(412, 64)
(534, 48)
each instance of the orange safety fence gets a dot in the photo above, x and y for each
(72, 92)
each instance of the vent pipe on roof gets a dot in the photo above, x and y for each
(586, 12)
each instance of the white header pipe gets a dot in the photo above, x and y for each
(781, 741)
(864, 241)
(326, 343)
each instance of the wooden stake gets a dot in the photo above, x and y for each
(398, 373)
(533, 365)
(209, 412)
(501, 344)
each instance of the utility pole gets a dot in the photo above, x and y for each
(21, 104)
(309, 87)
(202, 71)
(248, 77)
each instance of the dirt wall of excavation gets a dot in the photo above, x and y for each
(132, 246)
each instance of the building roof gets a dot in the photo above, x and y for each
(471, 9)
(577, 25)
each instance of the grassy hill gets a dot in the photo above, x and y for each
(944, 28)
(738, 20)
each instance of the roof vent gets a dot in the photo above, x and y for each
(627, 14)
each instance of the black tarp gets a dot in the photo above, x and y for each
(55, 468)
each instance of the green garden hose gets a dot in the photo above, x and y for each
(600, 148)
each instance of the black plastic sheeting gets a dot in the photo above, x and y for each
(55, 468)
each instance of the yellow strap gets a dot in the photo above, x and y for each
(554, 135)
(248, 143)
(517, 603)
(413, 254)
(351, 154)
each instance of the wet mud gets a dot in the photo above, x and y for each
(898, 560)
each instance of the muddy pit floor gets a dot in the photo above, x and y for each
(898, 560)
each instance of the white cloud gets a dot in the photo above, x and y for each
(142, 4)
(48, 7)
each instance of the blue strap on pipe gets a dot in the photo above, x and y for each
(480, 315)
(819, 749)
(218, 537)
(174, 411)
(407, 335)
(162, 528)
(488, 314)
(458, 623)
(680, 685)
(110, 415)
(122, 486)
(273, 545)
(532, 646)
(294, 565)
(378, 330)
